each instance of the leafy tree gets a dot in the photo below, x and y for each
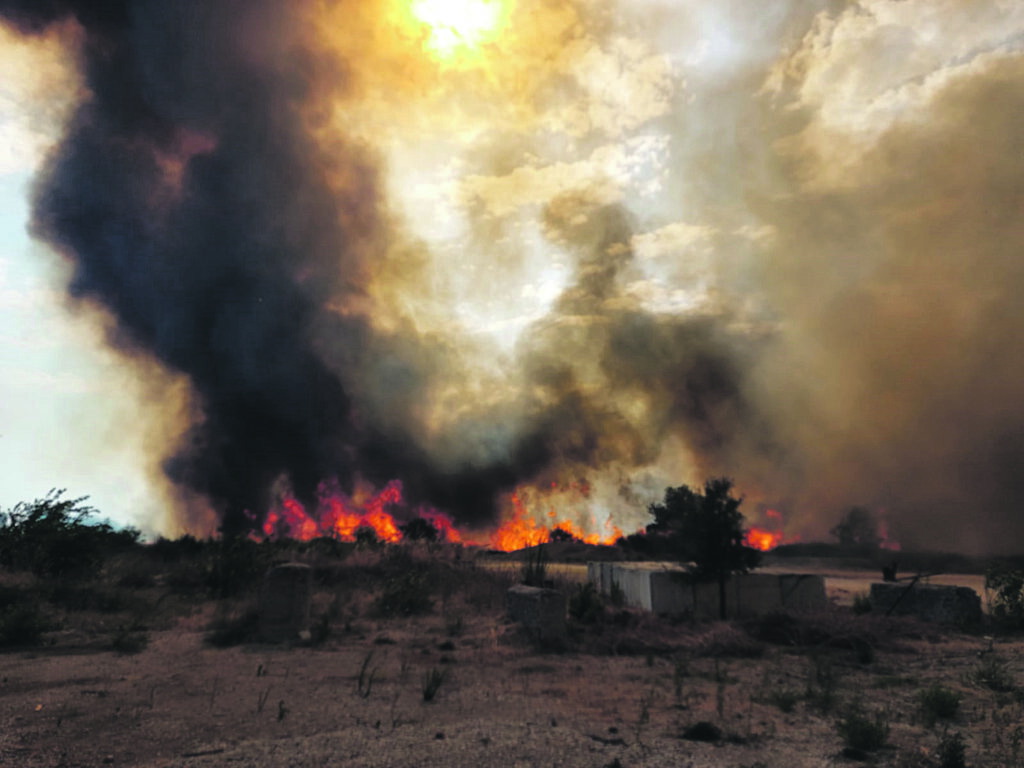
(419, 529)
(858, 528)
(708, 531)
(53, 536)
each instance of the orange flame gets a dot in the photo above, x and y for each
(767, 538)
(522, 530)
(340, 516)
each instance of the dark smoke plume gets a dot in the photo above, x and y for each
(193, 204)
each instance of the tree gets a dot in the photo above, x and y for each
(857, 528)
(418, 529)
(708, 531)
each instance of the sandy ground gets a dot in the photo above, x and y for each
(357, 700)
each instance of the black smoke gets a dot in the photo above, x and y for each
(194, 203)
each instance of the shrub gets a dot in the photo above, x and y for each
(784, 700)
(861, 604)
(53, 536)
(237, 566)
(535, 569)
(951, 751)
(863, 733)
(432, 682)
(404, 594)
(230, 629)
(585, 604)
(992, 673)
(22, 624)
(1004, 587)
(938, 703)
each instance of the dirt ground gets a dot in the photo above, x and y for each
(624, 694)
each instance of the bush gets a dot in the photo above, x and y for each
(861, 604)
(432, 682)
(230, 629)
(237, 566)
(21, 624)
(862, 733)
(785, 700)
(404, 594)
(52, 536)
(585, 604)
(535, 570)
(951, 751)
(992, 673)
(1004, 586)
(938, 703)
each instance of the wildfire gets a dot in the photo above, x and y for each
(340, 516)
(768, 537)
(521, 530)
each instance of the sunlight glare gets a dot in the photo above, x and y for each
(458, 24)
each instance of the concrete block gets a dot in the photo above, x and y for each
(665, 588)
(929, 602)
(540, 611)
(284, 604)
(802, 592)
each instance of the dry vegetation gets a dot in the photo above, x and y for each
(150, 659)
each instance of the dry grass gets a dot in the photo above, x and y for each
(627, 687)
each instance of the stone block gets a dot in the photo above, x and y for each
(929, 602)
(540, 611)
(284, 604)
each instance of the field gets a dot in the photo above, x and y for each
(152, 662)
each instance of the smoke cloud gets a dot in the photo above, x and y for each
(632, 245)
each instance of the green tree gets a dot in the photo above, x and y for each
(707, 530)
(858, 528)
(418, 529)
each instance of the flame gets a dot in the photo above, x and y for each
(883, 533)
(766, 538)
(340, 516)
(522, 530)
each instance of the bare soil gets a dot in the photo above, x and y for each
(624, 692)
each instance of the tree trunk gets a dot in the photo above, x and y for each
(722, 610)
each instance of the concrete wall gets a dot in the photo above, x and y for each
(930, 602)
(284, 603)
(540, 611)
(663, 588)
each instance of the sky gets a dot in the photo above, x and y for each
(573, 245)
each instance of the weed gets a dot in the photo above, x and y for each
(783, 699)
(432, 682)
(230, 629)
(585, 604)
(951, 751)
(992, 673)
(535, 569)
(128, 641)
(863, 733)
(861, 604)
(454, 626)
(680, 671)
(822, 682)
(938, 703)
(1004, 590)
(261, 699)
(364, 681)
(616, 596)
(404, 594)
(895, 681)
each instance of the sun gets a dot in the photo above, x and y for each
(458, 24)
